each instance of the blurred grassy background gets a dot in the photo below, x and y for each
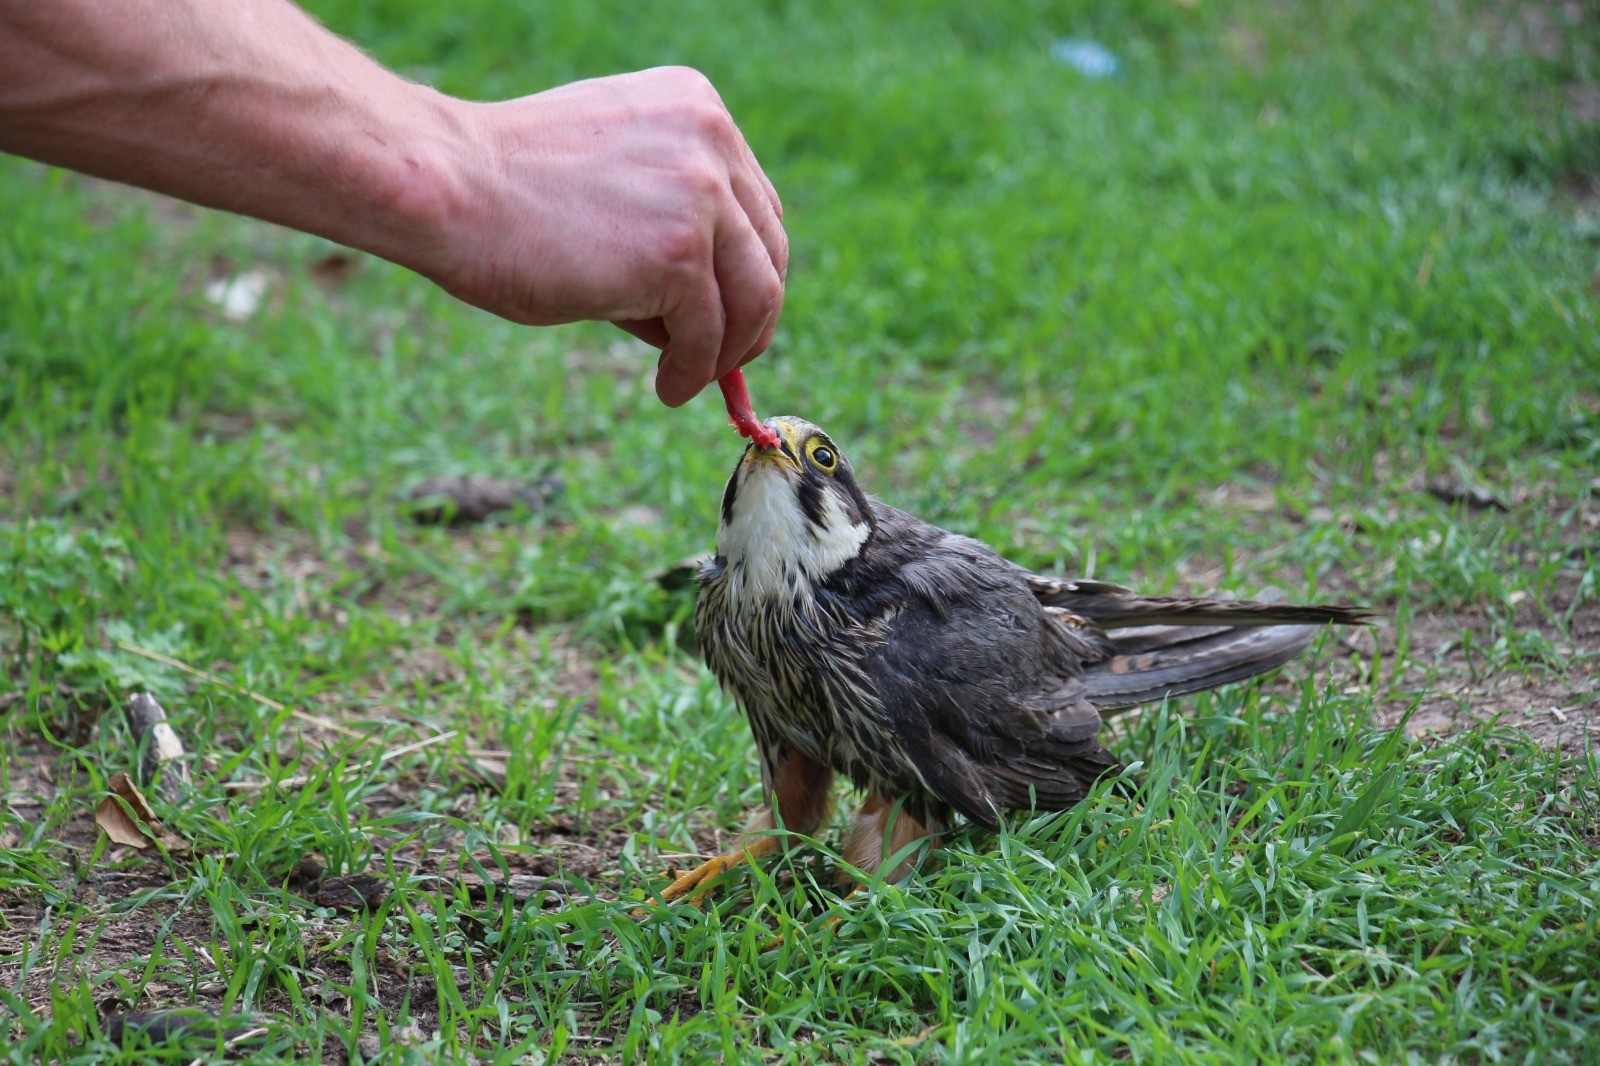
(1220, 319)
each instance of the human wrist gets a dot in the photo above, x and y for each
(416, 173)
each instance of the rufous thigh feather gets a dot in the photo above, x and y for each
(883, 829)
(800, 790)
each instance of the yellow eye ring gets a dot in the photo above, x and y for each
(822, 456)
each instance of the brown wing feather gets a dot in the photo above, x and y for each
(994, 678)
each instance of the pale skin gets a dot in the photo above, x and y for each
(631, 199)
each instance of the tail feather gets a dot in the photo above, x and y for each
(1173, 645)
(1114, 608)
(1048, 784)
(1177, 660)
(1135, 640)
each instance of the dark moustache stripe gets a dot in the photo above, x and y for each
(727, 499)
(811, 503)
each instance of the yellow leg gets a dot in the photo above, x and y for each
(696, 881)
(882, 829)
(799, 788)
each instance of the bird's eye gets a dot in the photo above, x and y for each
(822, 457)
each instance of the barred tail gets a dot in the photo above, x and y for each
(1154, 662)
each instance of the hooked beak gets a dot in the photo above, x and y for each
(784, 455)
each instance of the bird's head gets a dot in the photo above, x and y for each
(794, 509)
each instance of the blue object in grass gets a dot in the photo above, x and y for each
(1089, 58)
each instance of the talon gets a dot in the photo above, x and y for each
(696, 881)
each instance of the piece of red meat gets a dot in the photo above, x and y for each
(737, 396)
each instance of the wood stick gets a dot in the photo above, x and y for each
(161, 752)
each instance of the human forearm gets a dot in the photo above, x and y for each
(262, 113)
(632, 199)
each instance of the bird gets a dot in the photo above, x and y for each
(940, 678)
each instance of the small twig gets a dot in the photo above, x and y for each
(251, 786)
(503, 755)
(265, 701)
(417, 746)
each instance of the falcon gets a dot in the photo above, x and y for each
(940, 678)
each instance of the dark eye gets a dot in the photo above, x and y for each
(823, 456)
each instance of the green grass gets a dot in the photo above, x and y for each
(1218, 321)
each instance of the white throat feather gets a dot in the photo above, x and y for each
(768, 542)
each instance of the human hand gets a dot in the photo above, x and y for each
(631, 199)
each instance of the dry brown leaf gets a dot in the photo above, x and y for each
(334, 269)
(117, 821)
(121, 823)
(308, 870)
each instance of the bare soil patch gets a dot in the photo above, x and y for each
(1452, 680)
(118, 933)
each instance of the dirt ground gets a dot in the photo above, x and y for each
(1458, 690)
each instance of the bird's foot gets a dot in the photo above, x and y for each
(695, 883)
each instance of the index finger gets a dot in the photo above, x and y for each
(694, 330)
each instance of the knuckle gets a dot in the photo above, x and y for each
(705, 182)
(711, 121)
(681, 245)
(696, 108)
(769, 295)
(689, 86)
(686, 76)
